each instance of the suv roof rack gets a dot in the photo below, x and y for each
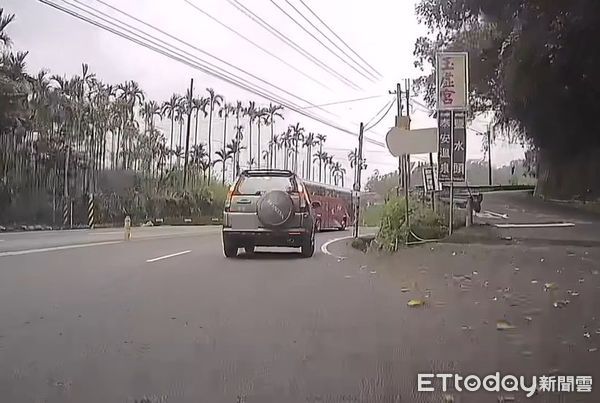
(267, 172)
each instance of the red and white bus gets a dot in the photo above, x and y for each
(334, 209)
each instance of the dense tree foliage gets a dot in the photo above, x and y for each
(535, 64)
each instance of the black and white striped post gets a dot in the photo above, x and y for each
(66, 213)
(91, 211)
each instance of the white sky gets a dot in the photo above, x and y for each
(383, 32)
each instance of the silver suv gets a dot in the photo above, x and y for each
(268, 208)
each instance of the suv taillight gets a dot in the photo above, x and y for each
(303, 198)
(230, 194)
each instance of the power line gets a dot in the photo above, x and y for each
(176, 39)
(273, 31)
(387, 105)
(203, 68)
(195, 48)
(340, 39)
(232, 79)
(381, 118)
(329, 39)
(255, 44)
(318, 40)
(347, 101)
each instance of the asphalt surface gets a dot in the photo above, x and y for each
(86, 317)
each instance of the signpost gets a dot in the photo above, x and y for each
(420, 141)
(444, 145)
(459, 146)
(452, 79)
(428, 179)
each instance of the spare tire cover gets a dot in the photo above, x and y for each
(275, 208)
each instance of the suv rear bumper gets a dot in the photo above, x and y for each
(290, 237)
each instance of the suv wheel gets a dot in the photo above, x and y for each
(308, 246)
(230, 249)
(249, 249)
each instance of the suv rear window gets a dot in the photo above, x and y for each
(252, 185)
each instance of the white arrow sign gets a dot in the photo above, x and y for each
(419, 141)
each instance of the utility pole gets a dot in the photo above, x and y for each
(355, 164)
(187, 137)
(398, 93)
(407, 86)
(357, 185)
(489, 141)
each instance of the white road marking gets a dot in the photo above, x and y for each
(534, 225)
(326, 244)
(156, 259)
(55, 248)
(498, 215)
(491, 214)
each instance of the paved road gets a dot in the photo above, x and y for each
(120, 322)
(531, 220)
(24, 241)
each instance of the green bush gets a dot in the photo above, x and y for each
(393, 230)
(424, 223)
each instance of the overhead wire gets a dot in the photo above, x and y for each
(133, 33)
(176, 39)
(227, 77)
(282, 37)
(329, 39)
(340, 39)
(318, 40)
(197, 49)
(244, 37)
(388, 105)
(347, 101)
(381, 118)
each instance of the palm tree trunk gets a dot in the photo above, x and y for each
(320, 161)
(172, 128)
(296, 158)
(258, 145)
(67, 157)
(224, 143)
(210, 140)
(308, 152)
(250, 144)
(179, 146)
(271, 144)
(196, 129)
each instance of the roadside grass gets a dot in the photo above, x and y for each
(425, 224)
